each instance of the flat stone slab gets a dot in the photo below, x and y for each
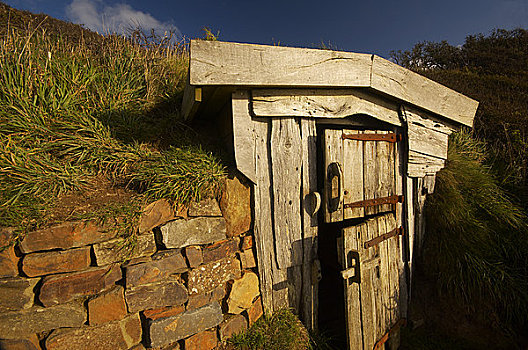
(107, 307)
(155, 296)
(155, 214)
(206, 340)
(8, 258)
(120, 335)
(64, 236)
(163, 265)
(233, 324)
(207, 277)
(20, 344)
(219, 250)
(171, 329)
(60, 289)
(15, 325)
(236, 206)
(16, 293)
(205, 207)
(115, 250)
(45, 263)
(197, 231)
(243, 292)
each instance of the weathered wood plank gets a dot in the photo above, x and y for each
(409, 231)
(396, 289)
(192, 97)
(333, 154)
(234, 64)
(284, 285)
(353, 175)
(385, 160)
(320, 103)
(420, 165)
(426, 120)
(420, 196)
(286, 163)
(263, 225)
(370, 286)
(409, 86)
(384, 281)
(352, 294)
(371, 172)
(429, 183)
(427, 141)
(399, 242)
(222, 63)
(243, 135)
(310, 284)
(294, 285)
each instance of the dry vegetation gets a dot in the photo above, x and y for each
(84, 112)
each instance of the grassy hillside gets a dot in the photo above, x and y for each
(476, 249)
(84, 113)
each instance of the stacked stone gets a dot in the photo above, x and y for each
(190, 282)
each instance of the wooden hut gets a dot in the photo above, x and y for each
(342, 149)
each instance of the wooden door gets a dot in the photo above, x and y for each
(373, 279)
(361, 173)
(363, 182)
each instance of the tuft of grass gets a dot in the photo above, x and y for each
(477, 241)
(280, 331)
(70, 112)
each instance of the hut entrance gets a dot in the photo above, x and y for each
(363, 196)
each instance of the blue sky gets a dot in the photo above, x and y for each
(360, 26)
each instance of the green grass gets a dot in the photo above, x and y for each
(477, 241)
(70, 112)
(280, 331)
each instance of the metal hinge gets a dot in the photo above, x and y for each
(390, 137)
(379, 344)
(377, 201)
(383, 237)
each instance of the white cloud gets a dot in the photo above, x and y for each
(118, 18)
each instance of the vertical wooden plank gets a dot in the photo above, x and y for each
(384, 285)
(309, 185)
(263, 225)
(333, 154)
(286, 163)
(409, 203)
(385, 167)
(243, 134)
(292, 276)
(369, 260)
(393, 245)
(353, 175)
(419, 217)
(370, 172)
(399, 244)
(352, 289)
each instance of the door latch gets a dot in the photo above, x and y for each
(352, 273)
(334, 188)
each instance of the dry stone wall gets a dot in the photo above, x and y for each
(190, 283)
